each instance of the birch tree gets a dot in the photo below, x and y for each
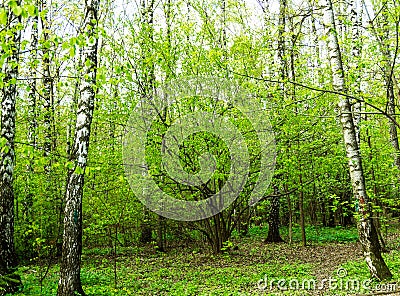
(366, 229)
(70, 281)
(9, 282)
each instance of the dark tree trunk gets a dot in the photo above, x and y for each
(161, 235)
(70, 282)
(9, 281)
(323, 212)
(243, 220)
(290, 214)
(145, 228)
(331, 214)
(216, 231)
(301, 210)
(273, 220)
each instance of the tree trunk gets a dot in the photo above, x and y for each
(394, 140)
(356, 17)
(161, 235)
(273, 220)
(9, 282)
(47, 92)
(243, 220)
(366, 228)
(281, 46)
(70, 282)
(290, 212)
(145, 228)
(301, 210)
(375, 191)
(383, 36)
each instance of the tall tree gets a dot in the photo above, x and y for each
(381, 32)
(146, 88)
(70, 282)
(366, 229)
(9, 282)
(390, 81)
(273, 217)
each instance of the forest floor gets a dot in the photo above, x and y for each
(331, 264)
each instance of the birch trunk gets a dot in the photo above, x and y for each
(47, 90)
(356, 52)
(70, 282)
(32, 96)
(366, 229)
(9, 282)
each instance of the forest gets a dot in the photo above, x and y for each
(188, 147)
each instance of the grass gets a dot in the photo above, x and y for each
(175, 278)
(143, 271)
(316, 234)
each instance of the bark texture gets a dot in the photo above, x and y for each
(366, 229)
(47, 92)
(9, 282)
(273, 220)
(356, 53)
(70, 282)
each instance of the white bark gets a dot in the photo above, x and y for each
(8, 259)
(356, 17)
(32, 97)
(366, 229)
(69, 282)
(47, 89)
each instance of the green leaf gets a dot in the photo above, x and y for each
(72, 51)
(31, 9)
(5, 149)
(3, 16)
(17, 10)
(79, 170)
(65, 45)
(88, 63)
(69, 165)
